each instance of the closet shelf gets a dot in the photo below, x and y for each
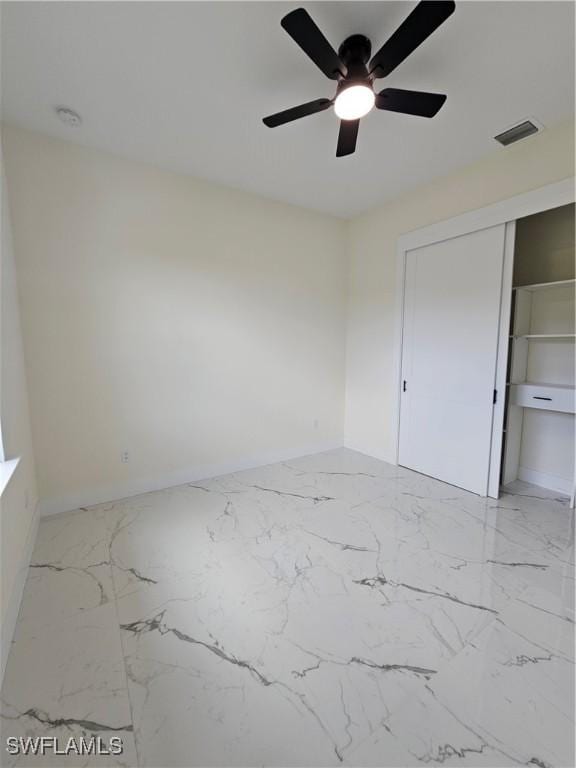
(541, 286)
(529, 336)
(570, 387)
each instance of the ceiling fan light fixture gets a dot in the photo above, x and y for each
(354, 102)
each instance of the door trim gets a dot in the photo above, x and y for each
(537, 200)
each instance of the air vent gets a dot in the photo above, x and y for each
(520, 131)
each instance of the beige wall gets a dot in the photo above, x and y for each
(197, 327)
(18, 501)
(372, 238)
(200, 328)
(544, 247)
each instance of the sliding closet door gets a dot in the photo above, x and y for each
(451, 319)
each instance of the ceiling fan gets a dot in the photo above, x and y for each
(355, 95)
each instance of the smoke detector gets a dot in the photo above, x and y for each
(68, 116)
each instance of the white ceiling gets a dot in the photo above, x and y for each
(185, 85)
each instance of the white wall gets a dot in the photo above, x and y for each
(547, 449)
(199, 328)
(372, 239)
(18, 501)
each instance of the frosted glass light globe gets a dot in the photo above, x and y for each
(354, 102)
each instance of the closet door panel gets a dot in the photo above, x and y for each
(451, 320)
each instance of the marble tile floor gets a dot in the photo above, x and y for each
(330, 610)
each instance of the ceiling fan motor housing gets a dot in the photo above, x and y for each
(355, 54)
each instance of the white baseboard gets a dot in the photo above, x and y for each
(13, 608)
(104, 494)
(360, 447)
(544, 480)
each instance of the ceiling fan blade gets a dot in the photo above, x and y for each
(424, 19)
(410, 102)
(295, 113)
(303, 30)
(347, 137)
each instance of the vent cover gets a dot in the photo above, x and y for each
(520, 131)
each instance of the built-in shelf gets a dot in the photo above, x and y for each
(540, 396)
(541, 286)
(541, 384)
(545, 336)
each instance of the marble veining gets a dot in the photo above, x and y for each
(330, 610)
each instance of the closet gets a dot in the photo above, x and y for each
(538, 441)
(486, 370)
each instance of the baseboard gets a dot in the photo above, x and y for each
(361, 447)
(545, 480)
(102, 495)
(11, 616)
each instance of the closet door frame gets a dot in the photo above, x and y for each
(502, 362)
(503, 212)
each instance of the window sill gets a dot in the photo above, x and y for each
(7, 469)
